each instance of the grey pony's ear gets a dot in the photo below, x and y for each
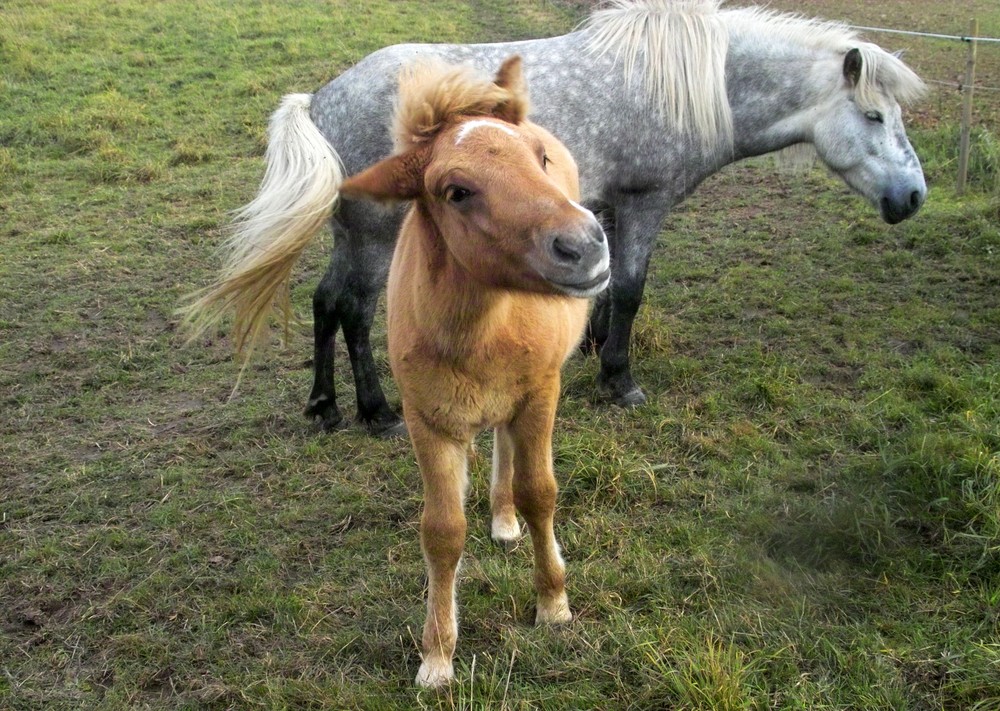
(899, 53)
(852, 66)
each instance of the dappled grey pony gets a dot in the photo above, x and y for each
(650, 96)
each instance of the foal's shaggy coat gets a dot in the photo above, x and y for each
(486, 299)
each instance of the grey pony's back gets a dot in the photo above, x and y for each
(579, 97)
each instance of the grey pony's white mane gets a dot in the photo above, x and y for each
(679, 48)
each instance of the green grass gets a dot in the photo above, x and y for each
(805, 515)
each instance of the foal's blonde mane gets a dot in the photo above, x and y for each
(432, 92)
(679, 48)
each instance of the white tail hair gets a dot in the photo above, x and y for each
(269, 234)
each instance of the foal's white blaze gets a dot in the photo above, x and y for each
(470, 126)
(605, 263)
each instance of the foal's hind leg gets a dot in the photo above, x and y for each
(442, 537)
(504, 528)
(535, 497)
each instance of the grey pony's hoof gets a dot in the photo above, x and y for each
(633, 398)
(388, 430)
(325, 414)
(620, 390)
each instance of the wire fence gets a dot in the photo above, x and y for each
(961, 38)
(933, 35)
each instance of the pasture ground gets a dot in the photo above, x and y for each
(805, 515)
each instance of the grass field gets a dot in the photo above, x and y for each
(806, 514)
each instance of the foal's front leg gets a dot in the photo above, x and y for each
(443, 468)
(535, 497)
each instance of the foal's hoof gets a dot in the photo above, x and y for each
(506, 533)
(553, 612)
(435, 673)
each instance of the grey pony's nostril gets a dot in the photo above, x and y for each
(915, 199)
(566, 252)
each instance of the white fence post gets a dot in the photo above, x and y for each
(970, 78)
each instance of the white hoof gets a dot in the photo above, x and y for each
(553, 612)
(435, 673)
(505, 530)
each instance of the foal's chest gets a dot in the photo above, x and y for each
(485, 388)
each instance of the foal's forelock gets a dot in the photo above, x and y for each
(433, 93)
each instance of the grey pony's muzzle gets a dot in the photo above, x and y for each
(901, 202)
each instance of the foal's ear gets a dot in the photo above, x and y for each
(852, 66)
(399, 177)
(510, 76)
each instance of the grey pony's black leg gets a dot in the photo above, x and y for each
(597, 326)
(636, 226)
(346, 298)
(368, 246)
(322, 405)
(358, 308)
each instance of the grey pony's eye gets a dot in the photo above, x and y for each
(874, 116)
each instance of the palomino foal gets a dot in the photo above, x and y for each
(487, 297)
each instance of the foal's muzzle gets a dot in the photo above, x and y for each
(576, 262)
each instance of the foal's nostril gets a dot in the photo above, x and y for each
(597, 232)
(566, 252)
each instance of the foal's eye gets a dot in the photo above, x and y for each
(545, 161)
(874, 116)
(457, 194)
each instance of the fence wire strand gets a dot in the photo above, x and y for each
(962, 38)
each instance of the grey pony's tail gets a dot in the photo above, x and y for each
(268, 235)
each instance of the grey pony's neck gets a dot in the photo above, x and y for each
(770, 85)
(609, 124)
